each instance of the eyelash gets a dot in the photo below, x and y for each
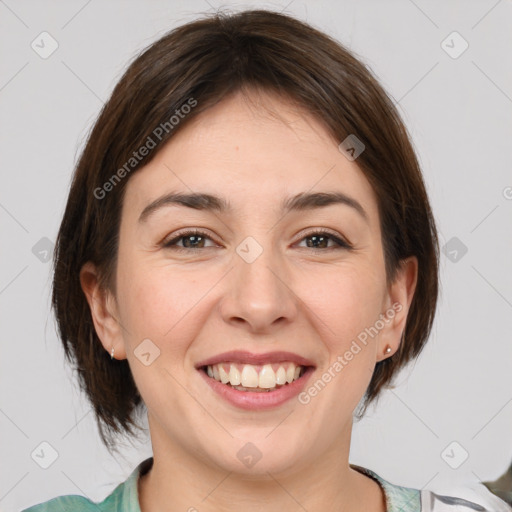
(342, 244)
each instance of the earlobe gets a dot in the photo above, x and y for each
(102, 310)
(400, 295)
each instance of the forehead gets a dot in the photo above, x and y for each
(253, 151)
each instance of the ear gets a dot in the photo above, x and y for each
(103, 311)
(397, 303)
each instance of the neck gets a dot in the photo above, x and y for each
(179, 481)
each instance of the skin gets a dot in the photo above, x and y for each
(193, 305)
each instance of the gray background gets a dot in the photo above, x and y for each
(458, 111)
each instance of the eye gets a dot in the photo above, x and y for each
(193, 240)
(321, 237)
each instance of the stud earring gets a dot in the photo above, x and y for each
(387, 350)
(112, 353)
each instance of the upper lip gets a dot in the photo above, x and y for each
(241, 356)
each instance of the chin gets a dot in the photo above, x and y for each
(260, 456)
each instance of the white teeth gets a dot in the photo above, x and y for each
(224, 377)
(255, 376)
(234, 375)
(267, 377)
(249, 377)
(281, 376)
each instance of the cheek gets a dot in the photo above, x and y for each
(345, 308)
(161, 303)
(345, 300)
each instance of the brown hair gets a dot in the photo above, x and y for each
(206, 60)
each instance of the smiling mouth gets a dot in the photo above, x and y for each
(255, 378)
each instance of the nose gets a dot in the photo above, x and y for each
(259, 294)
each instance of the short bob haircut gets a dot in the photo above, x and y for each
(200, 63)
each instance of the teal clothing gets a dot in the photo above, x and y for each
(125, 498)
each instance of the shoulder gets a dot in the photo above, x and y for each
(398, 498)
(124, 498)
(62, 503)
(114, 502)
(406, 499)
(473, 496)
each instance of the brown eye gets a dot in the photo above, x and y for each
(320, 240)
(316, 240)
(192, 240)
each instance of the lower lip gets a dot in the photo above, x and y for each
(253, 400)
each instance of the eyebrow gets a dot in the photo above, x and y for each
(208, 202)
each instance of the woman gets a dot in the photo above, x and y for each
(249, 253)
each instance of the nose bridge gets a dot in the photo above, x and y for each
(260, 295)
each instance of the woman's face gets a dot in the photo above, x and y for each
(258, 279)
